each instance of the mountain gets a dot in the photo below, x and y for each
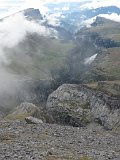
(29, 59)
(50, 55)
(105, 34)
(74, 14)
(32, 14)
(60, 82)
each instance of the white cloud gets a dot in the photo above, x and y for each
(14, 29)
(53, 19)
(93, 4)
(114, 17)
(67, 1)
(56, 9)
(13, 6)
(39, 4)
(65, 8)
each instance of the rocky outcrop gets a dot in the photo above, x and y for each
(78, 105)
(26, 110)
(107, 43)
(32, 14)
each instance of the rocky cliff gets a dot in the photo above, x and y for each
(77, 105)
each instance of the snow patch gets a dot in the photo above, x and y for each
(89, 60)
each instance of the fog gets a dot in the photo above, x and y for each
(13, 31)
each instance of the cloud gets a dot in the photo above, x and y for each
(13, 6)
(53, 19)
(8, 7)
(56, 9)
(65, 8)
(93, 4)
(14, 29)
(114, 17)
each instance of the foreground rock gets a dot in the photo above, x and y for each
(19, 140)
(33, 120)
(78, 105)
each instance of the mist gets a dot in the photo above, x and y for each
(13, 31)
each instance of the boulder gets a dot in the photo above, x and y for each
(77, 105)
(33, 120)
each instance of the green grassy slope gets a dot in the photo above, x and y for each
(36, 56)
(106, 66)
(106, 29)
(109, 87)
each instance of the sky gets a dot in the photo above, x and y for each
(8, 7)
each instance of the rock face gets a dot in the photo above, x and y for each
(32, 14)
(78, 105)
(26, 110)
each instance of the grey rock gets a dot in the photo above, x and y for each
(33, 120)
(52, 141)
(77, 105)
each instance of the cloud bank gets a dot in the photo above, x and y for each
(53, 19)
(114, 17)
(14, 29)
(93, 4)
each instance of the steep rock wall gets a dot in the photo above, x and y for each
(78, 105)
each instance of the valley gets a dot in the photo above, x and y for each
(66, 74)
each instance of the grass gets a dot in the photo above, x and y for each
(17, 115)
(36, 56)
(110, 87)
(106, 65)
(107, 30)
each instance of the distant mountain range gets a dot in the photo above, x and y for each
(74, 14)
